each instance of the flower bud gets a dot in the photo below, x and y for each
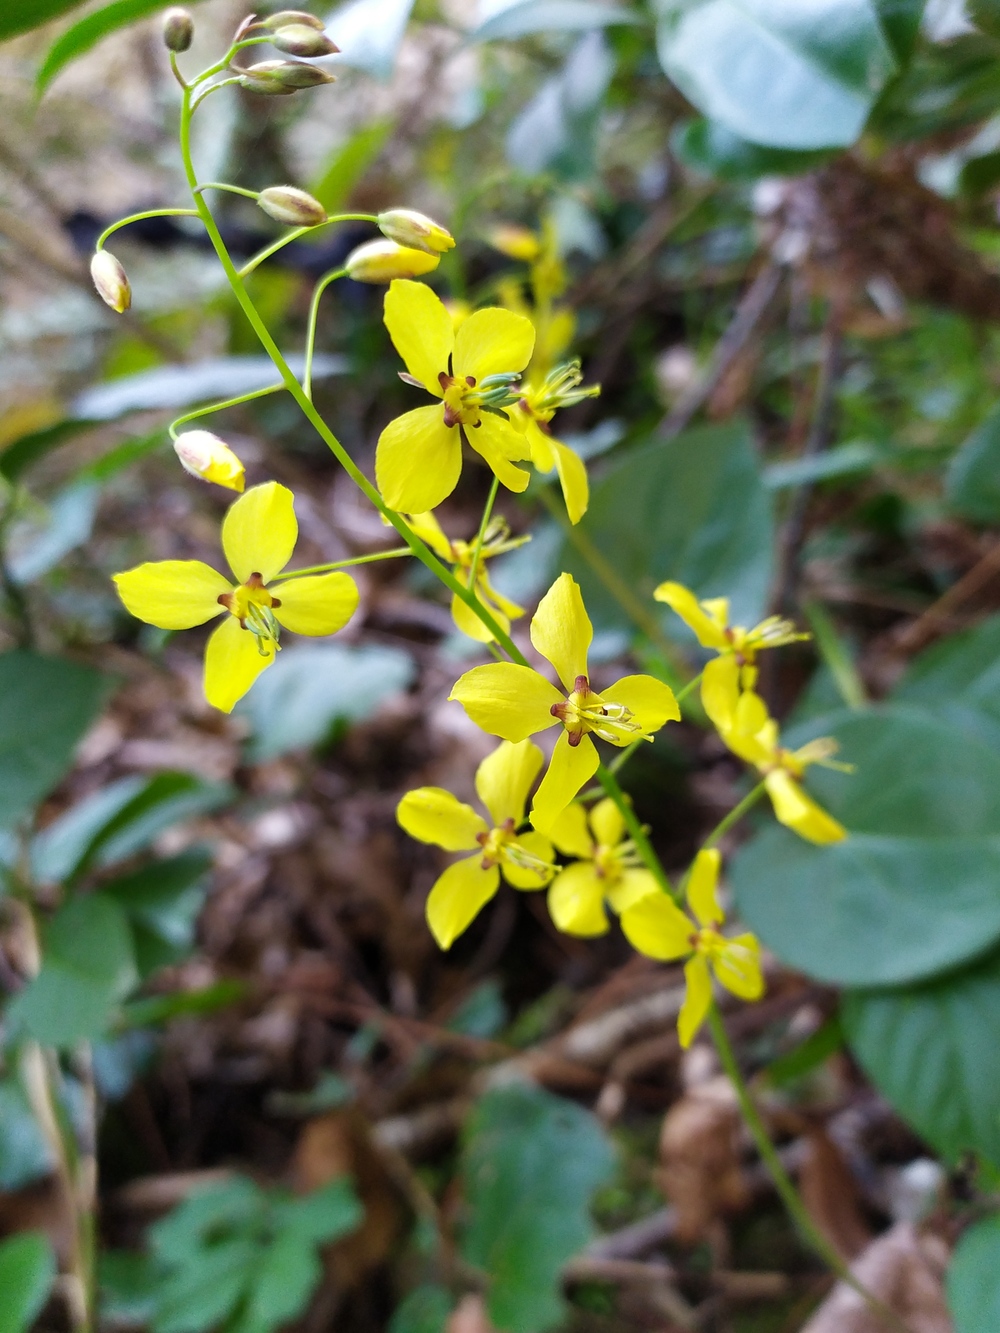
(278, 78)
(286, 204)
(299, 40)
(204, 455)
(408, 227)
(178, 29)
(111, 281)
(286, 18)
(515, 242)
(381, 261)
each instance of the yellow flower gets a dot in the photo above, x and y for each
(735, 667)
(496, 540)
(258, 537)
(434, 815)
(608, 869)
(753, 735)
(539, 402)
(658, 928)
(204, 455)
(515, 702)
(419, 456)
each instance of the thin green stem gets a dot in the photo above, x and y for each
(138, 217)
(218, 407)
(616, 766)
(342, 564)
(735, 815)
(256, 260)
(645, 848)
(176, 71)
(484, 523)
(681, 694)
(226, 60)
(836, 655)
(207, 92)
(311, 327)
(229, 189)
(782, 1181)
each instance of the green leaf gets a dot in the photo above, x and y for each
(424, 1310)
(61, 847)
(912, 890)
(786, 76)
(88, 966)
(900, 21)
(162, 902)
(23, 452)
(931, 1050)
(46, 705)
(321, 1216)
(959, 678)
(692, 509)
(973, 1282)
(985, 14)
(530, 1163)
(27, 1271)
(348, 164)
(86, 33)
(973, 481)
(22, 15)
(531, 16)
(712, 148)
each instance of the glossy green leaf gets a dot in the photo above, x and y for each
(712, 148)
(973, 1282)
(529, 16)
(46, 705)
(27, 1271)
(912, 891)
(88, 966)
(931, 1050)
(530, 1164)
(973, 483)
(162, 902)
(779, 74)
(693, 509)
(959, 678)
(86, 33)
(22, 15)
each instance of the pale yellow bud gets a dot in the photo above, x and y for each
(178, 30)
(111, 281)
(408, 227)
(279, 78)
(204, 455)
(381, 261)
(294, 207)
(516, 242)
(298, 39)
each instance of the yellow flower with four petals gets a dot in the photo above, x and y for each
(434, 815)
(496, 541)
(608, 869)
(658, 928)
(258, 536)
(514, 702)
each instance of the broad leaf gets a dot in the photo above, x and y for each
(959, 678)
(973, 483)
(552, 16)
(162, 902)
(931, 1050)
(712, 148)
(88, 32)
(777, 72)
(23, 15)
(27, 1271)
(900, 21)
(424, 1310)
(530, 1164)
(912, 890)
(973, 1283)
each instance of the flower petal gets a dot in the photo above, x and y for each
(259, 532)
(573, 480)
(571, 834)
(458, 897)
(492, 341)
(418, 460)
(576, 900)
(569, 768)
(172, 594)
(697, 1000)
(432, 814)
(507, 700)
(504, 779)
(701, 888)
(232, 664)
(720, 690)
(737, 966)
(430, 532)
(796, 809)
(657, 927)
(317, 604)
(421, 331)
(633, 886)
(494, 440)
(682, 600)
(561, 630)
(607, 822)
(521, 876)
(650, 702)
(469, 623)
(543, 455)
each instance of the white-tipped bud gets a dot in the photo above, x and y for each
(111, 281)
(294, 207)
(178, 30)
(381, 261)
(279, 78)
(408, 227)
(299, 40)
(204, 455)
(287, 18)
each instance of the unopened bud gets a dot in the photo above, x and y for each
(294, 207)
(298, 40)
(278, 78)
(204, 455)
(287, 18)
(515, 242)
(178, 30)
(381, 261)
(408, 227)
(111, 281)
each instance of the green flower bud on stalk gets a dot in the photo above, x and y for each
(299, 40)
(408, 227)
(178, 30)
(286, 18)
(279, 78)
(294, 207)
(111, 281)
(381, 261)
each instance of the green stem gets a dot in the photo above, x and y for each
(782, 1181)
(480, 536)
(218, 407)
(207, 92)
(645, 848)
(681, 694)
(138, 217)
(318, 291)
(229, 189)
(735, 815)
(294, 235)
(836, 656)
(342, 564)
